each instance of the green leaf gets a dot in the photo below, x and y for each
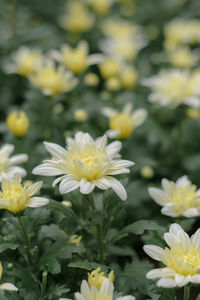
(87, 265)
(138, 228)
(5, 246)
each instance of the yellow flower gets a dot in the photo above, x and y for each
(128, 77)
(18, 123)
(174, 87)
(51, 80)
(110, 68)
(183, 57)
(91, 79)
(101, 7)
(26, 60)
(193, 113)
(96, 278)
(122, 124)
(78, 19)
(75, 239)
(147, 172)
(181, 259)
(78, 59)
(179, 198)
(15, 197)
(6, 286)
(113, 84)
(118, 28)
(80, 115)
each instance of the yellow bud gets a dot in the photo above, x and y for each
(113, 84)
(101, 6)
(80, 115)
(96, 278)
(75, 239)
(129, 77)
(18, 123)
(193, 113)
(147, 172)
(91, 79)
(109, 68)
(123, 123)
(67, 203)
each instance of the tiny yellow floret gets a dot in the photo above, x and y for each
(129, 77)
(109, 68)
(75, 239)
(91, 79)
(147, 172)
(18, 123)
(101, 7)
(113, 84)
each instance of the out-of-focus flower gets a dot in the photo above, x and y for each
(181, 259)
(78, 18)
(78, 59)
(91, 79)
(80, 115)
(113, 84)
(25, 61)
(119, 28)
(67, 203)
(18, 123)
(122, 124)
(8, 164)
(193, 113)
(15, 197)
(183, 57)
(180, 198)
(110, 68)
(75, 239)
(101, 7)
(147, 172)
(51, 80)
(86, 164)
(128, 77)
(6, 286)
(174, 87)
(180, 31)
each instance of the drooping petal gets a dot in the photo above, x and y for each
(158, 195)
(34, 188)
(166, 283)
(55, 150)
(117, 187)
(86, 187)
(67, 186)
(18, 159)
(155, 252)
(8, 287)
(47, 169)
(37, 202)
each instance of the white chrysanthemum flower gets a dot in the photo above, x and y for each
(181, 259)
(6, 286)
(180, 198)
(174, 87)
(86, 164)
(122, 124)
(8, 164)
(15, 197)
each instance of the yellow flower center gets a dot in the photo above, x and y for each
(190, 259)
(76, 60)
(183, 197)
(16, 197)
(87, 162)
(96, 278)
(123, 123)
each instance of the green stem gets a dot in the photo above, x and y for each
(98, 230)
(186, 293)
(43, 286)
(27, 243)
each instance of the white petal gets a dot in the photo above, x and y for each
(37, 202)
(7, 149)
(95, 59)
(168, 211)
(34, 188)
(167, 185)
(113, 149)
(139, 116)
(108, 112)
(117, 187)
(15, 169)
(191, 212)
(183, 181)
(55, 150)
(159, 196)
(195, 279)
(67, 186)
(112, 133)
(155, 252)
(8, 287)
(181, 280)
(166, 283)
(18, 159)
(195, 239)
(86, 187)
(69, 177)
(161, 272)
(127, 297)
(47, 169)
(101, 142)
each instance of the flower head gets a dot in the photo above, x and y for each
(51, 80)
(78, 18)
(25, 61)
(181, 259)
(122, 124)
(15, 197)
(96, 278)
(80, 115)
(8, 164)
(86, 164)
(77, 59)
(6, 286)
(101, 7)
(174, 87)
(18, 123)
(183, 57)
(180, 198)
